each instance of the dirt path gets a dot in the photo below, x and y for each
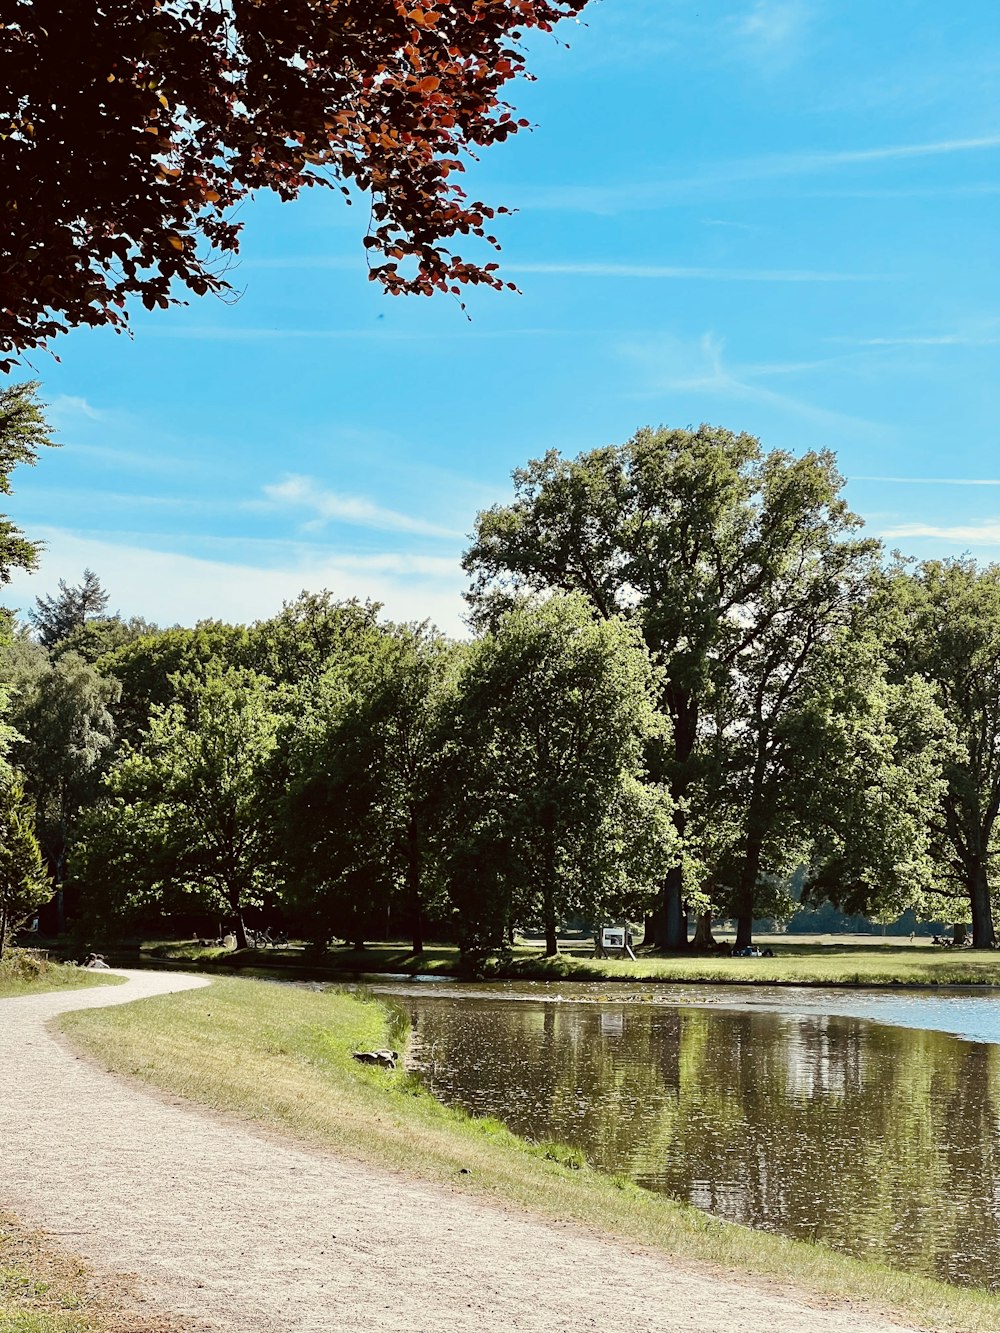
(254, 1236)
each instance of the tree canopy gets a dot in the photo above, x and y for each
(56, 618)
(131, 130)
(23, 432)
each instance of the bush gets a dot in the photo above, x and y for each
(22, 965)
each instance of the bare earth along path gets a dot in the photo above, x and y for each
(249, 1234)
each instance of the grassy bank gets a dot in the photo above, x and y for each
(811, 964)
(45, 1290)
(282, 1058)
(22, 973)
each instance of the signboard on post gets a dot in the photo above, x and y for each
(614, 941)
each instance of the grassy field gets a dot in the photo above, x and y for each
(282, 1058)
(44, 1290)
(22, 973)
(821, 962)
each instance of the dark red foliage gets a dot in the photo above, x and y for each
(130, 129)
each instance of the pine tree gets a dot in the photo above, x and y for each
(55, 618)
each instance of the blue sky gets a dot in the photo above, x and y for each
(778, 216)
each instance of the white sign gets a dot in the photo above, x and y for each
(613, 937)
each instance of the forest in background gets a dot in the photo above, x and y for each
(689, 675)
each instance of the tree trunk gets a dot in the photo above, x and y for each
(3, 931)
(983, 930)
(958, 931)
(413, 885)
(549, 913)
(703, 937)
(745, 891)
(671, 919)
(649, 931)
(549, 886)
(236, 906)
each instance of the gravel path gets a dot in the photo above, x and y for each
(252, 1235)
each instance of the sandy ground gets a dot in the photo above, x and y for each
(249, 1234)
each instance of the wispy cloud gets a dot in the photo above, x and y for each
(772, 32)
(174, 588)
(628, 196)
(598, 269)
(729, 225)
(673, 366)
(970, 534)
(67, 408)
(327, 505)
(927, 340)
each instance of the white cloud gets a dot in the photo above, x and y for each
(771, 33)
(66, 408)
(171, 588)
(306, 493)
(970, 534)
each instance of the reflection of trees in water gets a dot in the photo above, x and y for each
(878, 1140)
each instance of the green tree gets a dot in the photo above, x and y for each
(948, 632)
(149, 667)
(328, 842)
(24, 885)
(309, 635)
(872, 756)
(23, 432)
(407, 681)
(192, 795)
(552, 717)
(99, 636)
(62, 712)
(726, 558)
(55, 618)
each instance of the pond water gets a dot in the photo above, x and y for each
(790, 1112)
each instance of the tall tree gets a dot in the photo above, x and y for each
(24, 885)
(328, 841)
(23, 432)
(56, 618)
(872, 752)
(716, 549)
(407, 683)
(949, 633)
(191, 794)
(62, 711)
(134, 128)
(553, 714)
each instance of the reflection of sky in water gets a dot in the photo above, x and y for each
(965, 1012)
(971, 1012)
(786, 1110)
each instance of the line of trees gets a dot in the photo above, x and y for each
(691, 674)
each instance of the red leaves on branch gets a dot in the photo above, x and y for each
(129, 130)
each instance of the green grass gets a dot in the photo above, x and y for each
(805, 964)
(282, 1058)
(21, 973)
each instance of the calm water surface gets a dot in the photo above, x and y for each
(793, 1113)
